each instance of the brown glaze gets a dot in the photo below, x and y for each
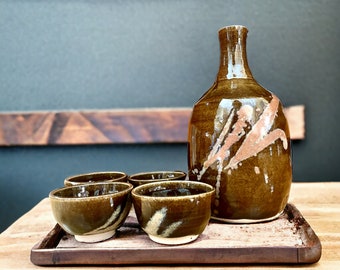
(173, 212)
(239, 139)
(92, 208)
(155, 176)
(95, 177)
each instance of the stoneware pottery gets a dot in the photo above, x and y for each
(173, 212)
(95, 177)
(239, 140)
(91, 212)
(149, 177)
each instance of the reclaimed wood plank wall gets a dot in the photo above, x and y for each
(118, 126)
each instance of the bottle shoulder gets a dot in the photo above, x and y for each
(235, 89)
(222, 98)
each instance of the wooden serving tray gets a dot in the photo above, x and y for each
(288, 239)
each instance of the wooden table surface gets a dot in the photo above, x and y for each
(318, 202)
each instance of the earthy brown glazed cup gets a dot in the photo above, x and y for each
(173, 212)
(95, 177)
(155, 176)
(91, 212)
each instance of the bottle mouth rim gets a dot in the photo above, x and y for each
(233, 27)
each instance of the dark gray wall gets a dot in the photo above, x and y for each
(83, 54)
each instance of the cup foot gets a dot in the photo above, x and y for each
(92, 238)
(173, 240)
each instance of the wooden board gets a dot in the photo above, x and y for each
(288, 239)
(151, 125)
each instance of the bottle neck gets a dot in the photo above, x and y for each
(233, 55)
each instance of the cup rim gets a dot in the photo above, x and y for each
(127, 189)
(132, 176)
(73, 178)
(135, 190)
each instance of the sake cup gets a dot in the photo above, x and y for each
(91, 212)
(173, 212)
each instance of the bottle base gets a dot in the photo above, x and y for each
(246, 221)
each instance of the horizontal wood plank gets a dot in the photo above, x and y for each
(118, 126)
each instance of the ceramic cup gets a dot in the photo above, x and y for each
(95, 177)
(155, 176)
(173, 212)
(91, 212)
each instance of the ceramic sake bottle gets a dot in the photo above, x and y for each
(239, 140)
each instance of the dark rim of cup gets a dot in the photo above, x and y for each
(146, 176)
(207, 189)
(127, 187)
(96, 177)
